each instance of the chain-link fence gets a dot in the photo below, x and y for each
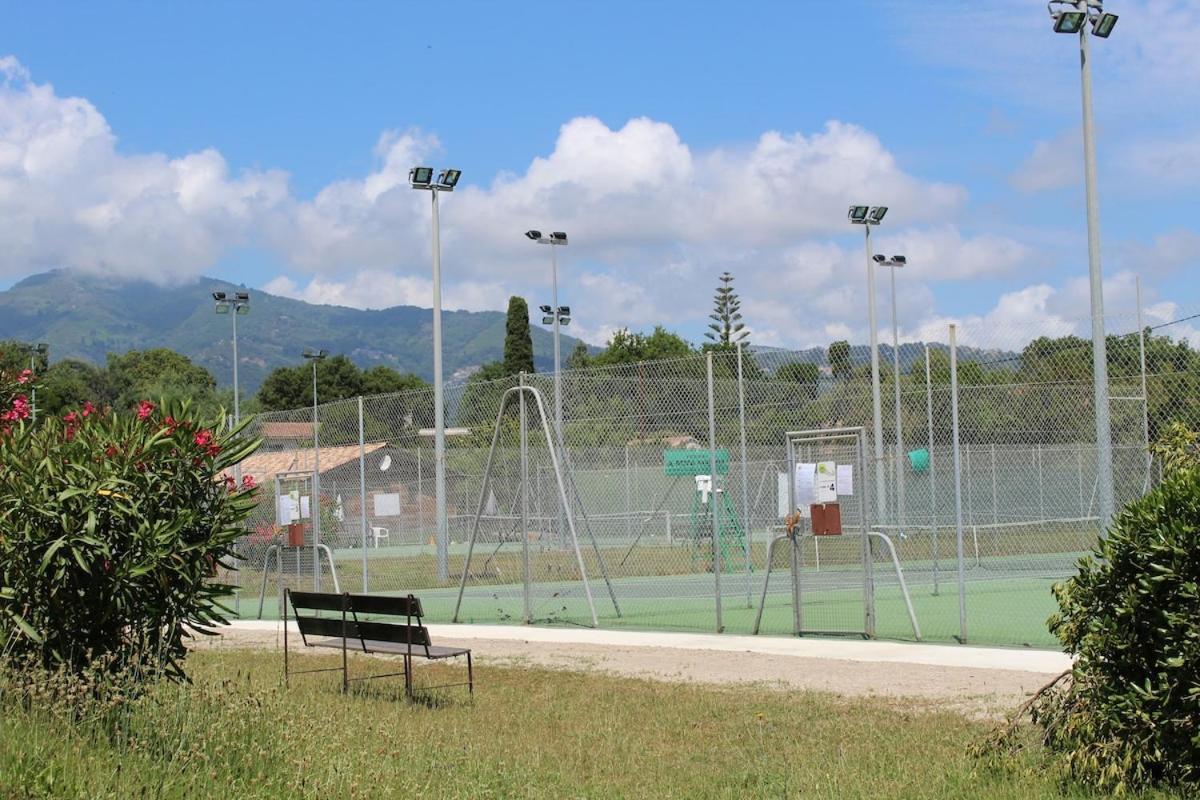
(630, 525)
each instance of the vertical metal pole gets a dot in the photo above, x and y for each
(899, 466)
(747, 523)
(1145, 395)
(420, 495)
(970, 484)
(876, 403)
(439, 405)
(1079, 470)
(1104, 466)
(558, 417)
(958, 516)
(712, 496)
(995, 504)
(1041, 486)
(362, 492)
(314, 506)
(932, 472)
(526, 576)
(237, 414)
(628, 499)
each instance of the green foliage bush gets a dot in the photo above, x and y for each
(111, 528)
(1129, 715)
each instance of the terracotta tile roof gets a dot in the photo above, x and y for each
(286, 430)
(265, 465)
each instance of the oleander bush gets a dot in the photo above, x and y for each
(1126, 717)
(112, 526)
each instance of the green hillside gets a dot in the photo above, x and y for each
(87, 317)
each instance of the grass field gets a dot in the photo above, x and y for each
(527, 733)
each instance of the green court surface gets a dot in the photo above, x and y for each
(1000, 610)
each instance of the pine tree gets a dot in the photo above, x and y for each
(518, 341)
(726, 329)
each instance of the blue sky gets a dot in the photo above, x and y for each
(268, 143)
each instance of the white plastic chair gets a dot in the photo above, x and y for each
(378, 533)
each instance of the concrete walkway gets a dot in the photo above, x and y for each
(1013, 659)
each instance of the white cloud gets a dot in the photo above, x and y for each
(374, 289)
(68, 198)
(1053, 164)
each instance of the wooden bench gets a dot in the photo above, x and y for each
(349, 632)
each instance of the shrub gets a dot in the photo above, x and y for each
(111, 529)
(1127, 715)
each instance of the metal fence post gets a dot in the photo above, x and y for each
(712, 495)
(1041, 486)
(932, 471)
(995, 505)
(747, 522)
(958, 518)
(362, 492)
(525, 568)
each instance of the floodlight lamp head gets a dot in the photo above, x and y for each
(877, 214)
(545, 309)
(219, 296)
(222, 307)
(899, 261)
(564, 320)
(564, 311)
(547, 320)
(448, 179)
(242, 297)
(533, 235)
(858, 214)
(243, 309)
(1068, 21)
(420, 177)
(879, 259)
(558, 237)
(1102, 26)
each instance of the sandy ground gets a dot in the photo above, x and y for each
(973, 691)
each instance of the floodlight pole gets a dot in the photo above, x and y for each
(439, 420)
(899, 466)
(1096, 279)
(876, 402)
(237, 416)
(557, 348)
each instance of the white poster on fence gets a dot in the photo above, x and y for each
(845, 479)
(387, 504)
(304, 509)
(285, 514)
(826, 482)
(804, 490)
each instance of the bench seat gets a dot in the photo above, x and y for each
(433, 652)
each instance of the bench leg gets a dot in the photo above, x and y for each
(470, 675)
(408, 684)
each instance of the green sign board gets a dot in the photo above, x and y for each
(694, 462)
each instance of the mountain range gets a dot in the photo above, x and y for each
(86, 317)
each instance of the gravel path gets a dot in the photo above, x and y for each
(974, 691)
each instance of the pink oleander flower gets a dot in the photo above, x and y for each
(25, 377)
(88, 408)
(248, 482)
(145, 409)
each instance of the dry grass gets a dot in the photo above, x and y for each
(237, 733)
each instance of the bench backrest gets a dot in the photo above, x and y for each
(348, 626)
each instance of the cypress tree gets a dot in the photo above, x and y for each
(518, 341)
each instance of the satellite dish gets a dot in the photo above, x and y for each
(385, 463)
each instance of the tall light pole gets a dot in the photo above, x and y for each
(239, 304)
(556, 315)
(315, 505)
(1075, 16)
(869, 217)
(422, 178)
(896, 262)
